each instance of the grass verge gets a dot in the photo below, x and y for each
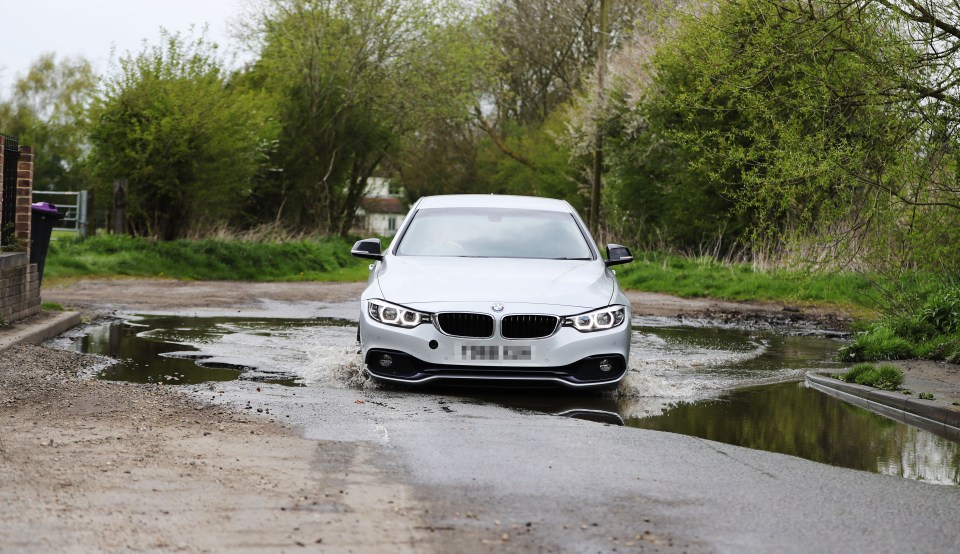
(326, 259)
(707, 277)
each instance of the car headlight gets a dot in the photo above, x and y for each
(597, 320)
(392, 314)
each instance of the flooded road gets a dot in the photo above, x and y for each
(729, 385)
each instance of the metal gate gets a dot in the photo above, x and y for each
(72, 204)
(8, 217)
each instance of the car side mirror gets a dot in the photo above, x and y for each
(367, 248)
(617, 254)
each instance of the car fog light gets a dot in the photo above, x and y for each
(386, 360)
(605, 366)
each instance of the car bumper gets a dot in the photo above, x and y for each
(425, 355)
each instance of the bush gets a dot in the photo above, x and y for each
(942, 311)
(879, 342)
(885, 377)
(888, 377)
(856, 372)
(932, 332)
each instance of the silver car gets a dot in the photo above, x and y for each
(495, 289)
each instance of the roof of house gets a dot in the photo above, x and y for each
(383, 206)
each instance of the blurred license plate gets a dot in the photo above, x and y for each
(517, 353)
(480, 353)
(485, 353)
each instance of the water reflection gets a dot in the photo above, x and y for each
(792, 419)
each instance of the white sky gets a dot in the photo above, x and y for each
(89, 28)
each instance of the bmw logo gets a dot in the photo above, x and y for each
(497, 307)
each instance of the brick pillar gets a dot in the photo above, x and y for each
(24, 193)
(3, 141)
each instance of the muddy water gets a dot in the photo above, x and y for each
(180, 351)
(729, 385)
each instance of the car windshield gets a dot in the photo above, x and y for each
(494, 233)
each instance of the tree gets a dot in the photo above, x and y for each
(170, 123)
(533, 58)
(545, 49)
(352, 81)
(768, 106)
(47, 112)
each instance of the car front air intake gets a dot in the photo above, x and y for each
(528, 326)
(465, 325)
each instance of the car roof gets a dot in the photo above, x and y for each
(493, 201)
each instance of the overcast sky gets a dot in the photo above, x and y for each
(89, 28)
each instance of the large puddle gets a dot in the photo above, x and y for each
(729, 385)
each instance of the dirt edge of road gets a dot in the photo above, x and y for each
(87, 465)
(92, 466)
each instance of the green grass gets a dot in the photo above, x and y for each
(63, 235)
(930, 330)
(707, 277)
(329, 259)
(326, 259)
(51, 307)
(885, 377)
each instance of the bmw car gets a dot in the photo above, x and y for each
(497, 290)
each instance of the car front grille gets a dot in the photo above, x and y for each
(528, 326)
(466, 325)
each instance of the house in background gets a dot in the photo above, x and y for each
(381, 209)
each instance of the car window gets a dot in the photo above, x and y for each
(494, 233)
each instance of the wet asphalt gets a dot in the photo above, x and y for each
(503, 480)
(511, 481)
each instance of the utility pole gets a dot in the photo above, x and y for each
(598, 144)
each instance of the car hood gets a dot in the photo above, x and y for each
(424, 279)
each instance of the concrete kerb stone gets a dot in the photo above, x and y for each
(927, 415)
(37, 329)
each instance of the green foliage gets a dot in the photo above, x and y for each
(926, 396)
(47, 111)
(857, 373)
(878, 342)
(930, 331)
(232, 260)
(782, 125)
(704, 276)
(169, 123)
(552, 176)
(941, 312)
(885, 377)
(661, 194)
(51, 307)
(788, 133)
(350, 82)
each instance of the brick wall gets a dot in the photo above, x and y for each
(19, 287)
(19, 279)
(3, 151)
